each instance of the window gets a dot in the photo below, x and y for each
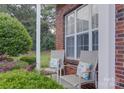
(81, 30)
(82, 43)
(70, 35)
(95, 40)
(70, 24)
(94, 16)
(70, 47)
(83, 19)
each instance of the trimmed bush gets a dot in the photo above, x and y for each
(20, 65)
(14, 38)
(28, 59)
(21, 79)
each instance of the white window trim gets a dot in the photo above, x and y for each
(106, 76)
(77, 33)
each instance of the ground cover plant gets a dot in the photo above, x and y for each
(27, 80)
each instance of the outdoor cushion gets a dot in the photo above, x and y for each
(82, 68)
(54, 63)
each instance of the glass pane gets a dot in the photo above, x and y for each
(82, 43)
(70, 24)
(95, 40)
(85, 47)
(86, 39)
(70, 46)
(94, 16)
(83, 19)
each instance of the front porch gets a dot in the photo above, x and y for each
(106, 39)
(68, 86)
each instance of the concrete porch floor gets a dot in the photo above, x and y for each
(68, 86)
(64, 83)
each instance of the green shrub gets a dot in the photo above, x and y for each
(9, 59)
(28, 59)
(21, 79)
(20, 65)
(14, 38)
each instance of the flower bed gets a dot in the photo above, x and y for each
(9, 64)
(6, 66)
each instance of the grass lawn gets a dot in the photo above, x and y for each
(45, 57)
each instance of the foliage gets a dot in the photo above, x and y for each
(20, 65)
(10, 59)
(21, 79)
(28, 59)
(48, 14)
(47, 41)
(47, 24)
(14, 38)
(25, 13)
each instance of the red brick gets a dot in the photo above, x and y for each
(119, 39)
(117, 87)
(120, 80)
(120, 51)
(119, 56)
(119, 7)
(119, 72)
(119, 67)
(119, 75)
(119, 63)
(121, 60)
(120, 43)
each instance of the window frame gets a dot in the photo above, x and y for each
(75, 34)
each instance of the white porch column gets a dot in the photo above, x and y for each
(38, 11)
(106, 74)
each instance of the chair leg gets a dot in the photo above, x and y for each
(95, 75)
(79, 83)
(60, 76)
(57, 76)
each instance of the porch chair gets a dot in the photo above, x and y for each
(56, 61)
(86, 57)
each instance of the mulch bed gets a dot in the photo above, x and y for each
(6, 66)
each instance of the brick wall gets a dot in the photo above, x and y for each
(119, 70)
(61, 11)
